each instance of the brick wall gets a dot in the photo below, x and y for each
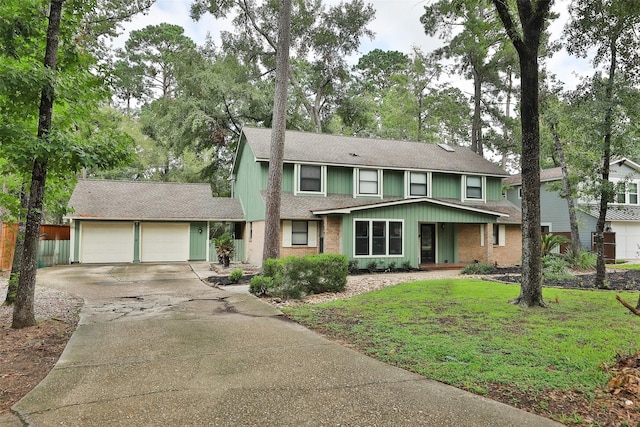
(511, 253)
(469, 248)
(332, 234)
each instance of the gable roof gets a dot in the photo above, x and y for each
(615, 212)
(546, 175)
(138, 200)
(296, 207)
(325, 149)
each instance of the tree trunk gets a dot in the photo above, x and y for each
(531, 289)
(576, 246)
(607, 189)
(23, 312)
(274, 187)
(16, 265)
(476, 128)
(533, 16)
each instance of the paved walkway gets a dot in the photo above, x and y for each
(155, 346)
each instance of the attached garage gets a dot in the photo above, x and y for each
(164, 241)
(135, 221)
(106, 242)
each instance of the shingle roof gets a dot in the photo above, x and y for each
(615, 212)
(296, 207)
(546, 175)
(343, 150)
(134, 200)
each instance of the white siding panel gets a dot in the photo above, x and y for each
(106, 242)
(160, 242)
(627, 239)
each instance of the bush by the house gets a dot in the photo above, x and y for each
(581, 260)
(261, 285)
(294, 277)
(479, 268)
(236, 275)
(554, 268)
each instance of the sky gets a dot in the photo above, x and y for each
(396, 26)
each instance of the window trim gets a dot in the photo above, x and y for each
(627, 193)
(356, 183)
(370, 222)
(483, 188)
(407, 184)
(297, 177)
(287, 234)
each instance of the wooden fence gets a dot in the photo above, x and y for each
(53, 249)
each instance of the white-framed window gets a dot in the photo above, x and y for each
(473, 187)
(378, 238)
(626, 192)
(299, 234)
(499, 237)
(310, 179)
(368, 182)
(417, 184)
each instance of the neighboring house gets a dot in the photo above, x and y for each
(131, 221)
(623, 214)
(378, 200)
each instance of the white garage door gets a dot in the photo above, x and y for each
(105, 242)
(627, 239)
(164, 242)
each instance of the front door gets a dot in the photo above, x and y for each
(427, 243)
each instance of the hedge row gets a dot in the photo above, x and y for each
(295, 277)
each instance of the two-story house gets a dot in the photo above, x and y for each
(378, 200)
(623, 213)
(390, 202)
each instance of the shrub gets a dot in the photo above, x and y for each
(224, 247)
(353, 266)
(554, 268)
(551, 241)
(372, 266)
(236, 275)
(407, 266)
(479, 268)
(295, 277)
(391, 266)
(261, 285)
(581, 260)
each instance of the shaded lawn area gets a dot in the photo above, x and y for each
(464, 332)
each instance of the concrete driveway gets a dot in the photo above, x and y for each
(156, 346)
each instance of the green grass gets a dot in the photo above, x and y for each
(626, 266)
(465, 333)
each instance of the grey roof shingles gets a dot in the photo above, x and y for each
(138, 200)
(328, 149)
(615, 212)
(303, 207)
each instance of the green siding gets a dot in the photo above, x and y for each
(287, 178)
(446, 185)
(136, 242)
(393, 183)
(339, 180)
(251, 178)
(494, 188)
(76, 241)
(413, 215)
(198, 237)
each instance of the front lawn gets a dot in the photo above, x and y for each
(463, 332)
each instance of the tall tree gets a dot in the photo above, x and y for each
(23, 313)
(274, 187)
(526, 35)
(476, 47)
(34, 139)
(612, 27)
(321, 39)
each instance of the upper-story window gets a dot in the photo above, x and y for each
(626, 193)
(474, 187)
(368, 182)
(418, 184)
(310, 179)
